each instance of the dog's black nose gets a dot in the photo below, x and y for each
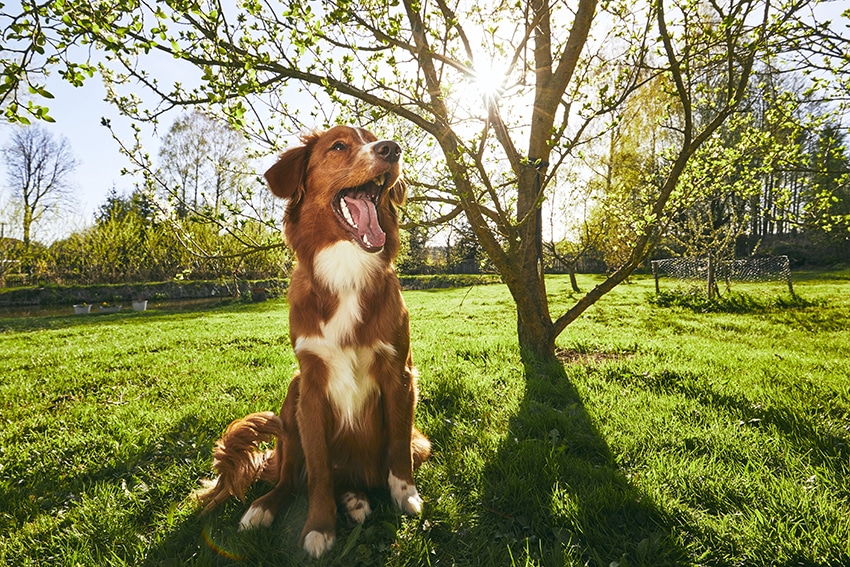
(388, 150)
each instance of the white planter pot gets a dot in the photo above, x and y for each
(140, 305)
(82, 309)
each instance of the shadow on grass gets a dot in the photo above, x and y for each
(553, 494)
(90, 497)
(95, 501)
(823, 446)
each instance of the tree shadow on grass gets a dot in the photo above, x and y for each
(553, 494)
(550, 494)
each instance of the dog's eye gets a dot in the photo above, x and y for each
(338, 146)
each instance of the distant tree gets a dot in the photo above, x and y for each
(463, 253)
(124, 244)
(567, 254)
(130, 240)
(38, 170)
(773, 169)
(779, 110)
(8, 261)
(202, 162)
(717, 189)
(413, 254)
(117, 206)
(627, 163)
(828, 210)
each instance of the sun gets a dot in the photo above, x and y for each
(489, 83)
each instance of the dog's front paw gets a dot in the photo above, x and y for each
(317, 543)
(405, 495)
(256, 517)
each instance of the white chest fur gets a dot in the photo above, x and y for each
(344, 266)
(345, 269)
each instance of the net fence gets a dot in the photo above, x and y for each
(711, 272)
(762, 269)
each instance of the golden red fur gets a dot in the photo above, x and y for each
(347, 419)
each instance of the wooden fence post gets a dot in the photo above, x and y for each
(655, 275)
(710, 279)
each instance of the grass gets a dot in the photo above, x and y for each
(670, 436)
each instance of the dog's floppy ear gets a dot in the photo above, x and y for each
(398, 192)
(288, 176)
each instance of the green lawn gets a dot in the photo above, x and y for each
(670, 436)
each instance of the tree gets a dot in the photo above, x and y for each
(118, 207)
(123, 245)
(564, 70)
(204, 194)
(38, 170)
(828, 207)
(202, 161)
(131, 241)
(756, 178)
(463, 254)
(628, 163)
(412, 255)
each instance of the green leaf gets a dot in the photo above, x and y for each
(40, 91)
(351, 541)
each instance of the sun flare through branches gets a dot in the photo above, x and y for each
(489, 84)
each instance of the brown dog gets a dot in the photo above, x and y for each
(347, 419)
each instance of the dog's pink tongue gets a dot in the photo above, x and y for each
(365, 216)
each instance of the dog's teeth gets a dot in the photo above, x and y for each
(366, 240)
(379, 181)
(347, 214)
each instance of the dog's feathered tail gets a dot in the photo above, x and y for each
(239, 461)
(420, 447)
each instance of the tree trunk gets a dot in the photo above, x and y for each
(573, 281)
(534, 324)
(535, 337)
(27, 225)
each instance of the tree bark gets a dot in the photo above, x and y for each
(573, 281)
(27, 225)
(534, 323)
(534, 331)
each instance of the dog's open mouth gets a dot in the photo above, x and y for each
(357, 210)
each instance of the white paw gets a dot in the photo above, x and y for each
(317, 543)
(256, 517)
(356, 506)
(405, 496)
